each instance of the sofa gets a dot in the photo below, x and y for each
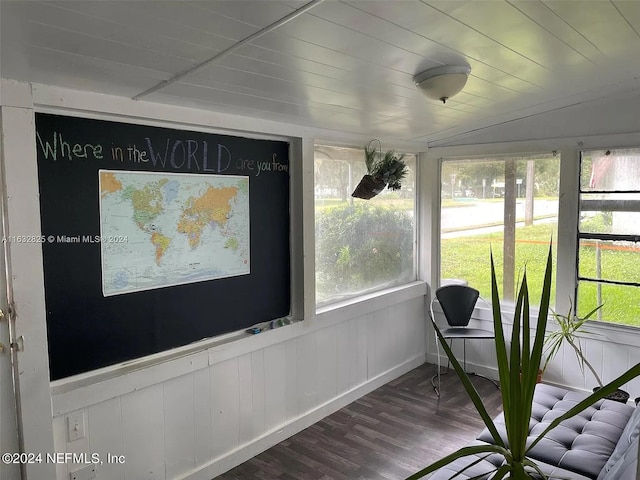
(601, 443)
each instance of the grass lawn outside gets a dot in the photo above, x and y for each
(468, 258)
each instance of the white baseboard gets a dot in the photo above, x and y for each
(249, 450)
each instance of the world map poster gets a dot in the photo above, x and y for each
(164, 229)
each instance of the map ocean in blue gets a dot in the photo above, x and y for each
(171, 190)
(121, 279)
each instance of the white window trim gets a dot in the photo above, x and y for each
(569, 149)
(382, 292)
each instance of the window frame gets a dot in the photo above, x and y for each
(380, 291)
(568, 212)
(602, 204)
(496, 156)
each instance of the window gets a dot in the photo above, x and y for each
(361, 245)
(609, 235)
(505, 204)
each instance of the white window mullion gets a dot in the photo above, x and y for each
(567, 225)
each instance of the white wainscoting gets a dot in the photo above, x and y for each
(230, 407)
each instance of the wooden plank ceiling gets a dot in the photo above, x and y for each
(340, 65)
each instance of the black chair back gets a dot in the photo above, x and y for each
(457, 302)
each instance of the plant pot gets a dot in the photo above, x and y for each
(538, 377)
(368, 187)
(618, 396)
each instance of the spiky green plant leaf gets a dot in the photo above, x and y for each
(518, 367)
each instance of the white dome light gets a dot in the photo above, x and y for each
(442, 83)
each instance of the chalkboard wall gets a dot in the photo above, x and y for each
(88, 330)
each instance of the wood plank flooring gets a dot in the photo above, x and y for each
(386, 435)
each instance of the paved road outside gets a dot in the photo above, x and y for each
(483, 213)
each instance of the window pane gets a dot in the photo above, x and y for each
(485, 206)
(616, 213)
(621, 302)
(612, 214)
(361, 245)
(609, 260)
(610, 170)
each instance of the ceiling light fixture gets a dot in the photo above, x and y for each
(442, 83)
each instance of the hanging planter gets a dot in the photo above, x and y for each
(368, 187)
(383, 171)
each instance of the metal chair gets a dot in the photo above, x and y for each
(457, 303)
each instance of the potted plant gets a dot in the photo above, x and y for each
(382, 171)
(518, 366)
(569, 328)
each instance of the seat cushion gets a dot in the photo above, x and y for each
(481, 470)
(623, 462)
(581, 444)
(485, 467)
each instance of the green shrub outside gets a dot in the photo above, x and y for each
(361, 246)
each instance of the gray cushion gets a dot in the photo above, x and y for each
(482, 469)
(486, 466)
(623, 462)
(582, 444)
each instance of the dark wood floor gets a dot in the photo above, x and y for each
(386, 435)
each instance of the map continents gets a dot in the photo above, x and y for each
(181, 228)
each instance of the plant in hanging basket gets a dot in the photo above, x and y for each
(383, 171)
(391, 169)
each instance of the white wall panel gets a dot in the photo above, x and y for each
(359, 338)
(326, 364)
(415, 333)
(179, 421)
(594, 350)
(104, 428)
(60, 444)
(275, 386)
(633, 387)
(395, 323)
(203, 435)
(376, 344)
(245, 388)
(143, 433)
(291, 371)
(343, 355)
(225, 406)
(306, 372)
(571, 373)
(614, 362)
(257, 392)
